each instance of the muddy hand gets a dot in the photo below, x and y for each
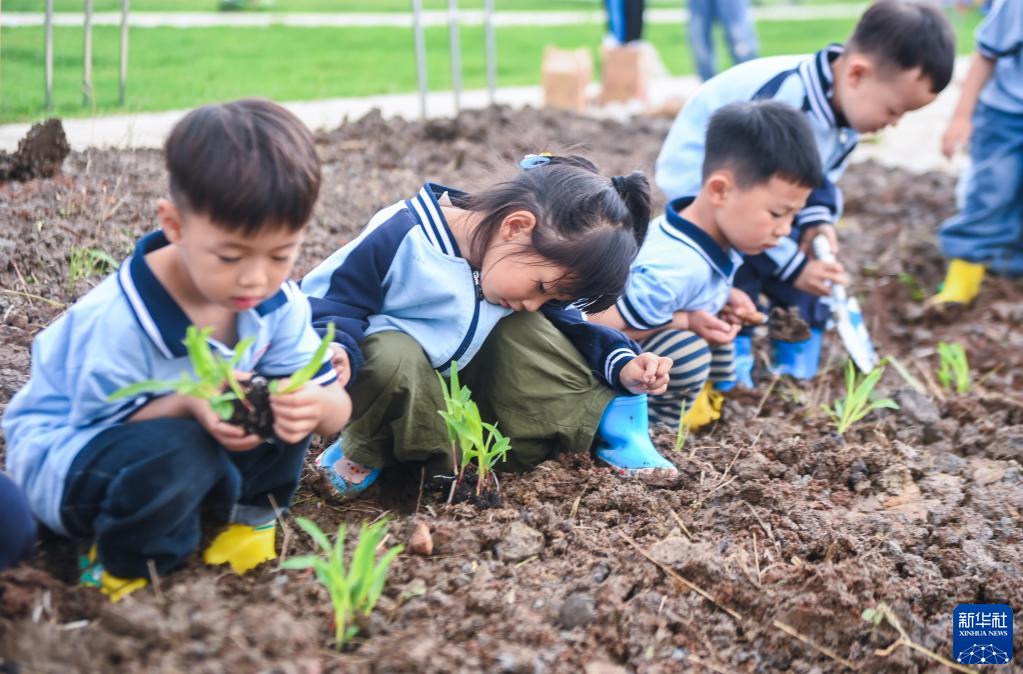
(233, 438)
(712, 328)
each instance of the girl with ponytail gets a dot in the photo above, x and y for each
(493, 283)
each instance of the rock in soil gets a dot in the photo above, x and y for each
(576, 611)
(421, 542)
(519, 541)
(917, 407)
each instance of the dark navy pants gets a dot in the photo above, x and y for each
(17, 528)
(140, 489)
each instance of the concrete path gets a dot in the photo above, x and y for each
(404, 20)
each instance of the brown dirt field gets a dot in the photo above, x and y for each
(786, 526)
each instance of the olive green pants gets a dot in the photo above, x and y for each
(527, 377)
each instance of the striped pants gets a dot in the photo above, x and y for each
(695, 363)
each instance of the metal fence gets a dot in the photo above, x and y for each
(88, 96)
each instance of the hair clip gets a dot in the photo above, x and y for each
(531, 161)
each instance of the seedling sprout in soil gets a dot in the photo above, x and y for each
(355, 587)
(683, 431)
(86, 262)
(462, 418)
(857, 402)
(954, 368)
(245, 404)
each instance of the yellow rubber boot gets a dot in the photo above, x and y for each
(94, 575)
(962, 283)
(242, 546)
(705, 409)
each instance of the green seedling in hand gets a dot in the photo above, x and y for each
(466, 432)
(302, 377)
(354, 587)
(857, 402)
(954, 369)
(211, 373)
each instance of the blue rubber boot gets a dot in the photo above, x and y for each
(799, 359)
(624, 439)
(331, 456)
(744, 360)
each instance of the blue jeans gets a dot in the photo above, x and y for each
(988, 228)
(740, 34)
(140, 489)
(17, 528)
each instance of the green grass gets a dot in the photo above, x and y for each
(344, 5)
(175, 68)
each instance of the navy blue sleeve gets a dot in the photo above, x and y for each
(605, 349)
(821, 207)
(355, 286)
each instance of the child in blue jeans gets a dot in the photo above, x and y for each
(987, 232)
(135, 475)
(758, 169)
(494, 281)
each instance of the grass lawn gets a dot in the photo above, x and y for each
(180, 68)
(340, 5)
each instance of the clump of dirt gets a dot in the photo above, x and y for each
(786, 325)
(254, 413)
(788, 532)
(40, 153)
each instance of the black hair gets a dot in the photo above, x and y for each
(908, 34)
(760, 140)
(246, 165)
(590, 224)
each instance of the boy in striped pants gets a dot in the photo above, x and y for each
(759, 167)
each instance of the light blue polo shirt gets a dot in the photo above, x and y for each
(679, 268)
(127, 329)
(1000, 38)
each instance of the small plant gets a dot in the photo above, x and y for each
(212, 373)
(213, 379)
(857, 402)
(86, 262)
(683, 431)
(462, 418)
(954, 369)
(916, 290)
(882, 613)
(354, 587)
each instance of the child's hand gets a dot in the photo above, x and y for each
(233, 438)
(646, 373)
(816, 274)
(956, 135)
(740, 309)
(342, 366)
(712, 328)
(298, 413)
(810, 233)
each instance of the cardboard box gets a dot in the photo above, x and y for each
(565, 74)
(627, 71)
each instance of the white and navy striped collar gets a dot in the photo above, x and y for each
(426, 208)
(688, 233)
(818, 80)
(157, 313)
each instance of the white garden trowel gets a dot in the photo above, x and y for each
(847, 315)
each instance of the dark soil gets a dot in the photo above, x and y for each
(786, 325)
(40, 153)
(256, 417)
(781, 523)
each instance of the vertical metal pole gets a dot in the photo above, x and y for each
(123, 80)
(491, 37)
(456, 55)
(48, 47)
(87, 56)
(417, 27)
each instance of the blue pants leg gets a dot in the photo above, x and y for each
(17, 528)
(988, 228)
(740, 33)
(701, 36)
(139, 489)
